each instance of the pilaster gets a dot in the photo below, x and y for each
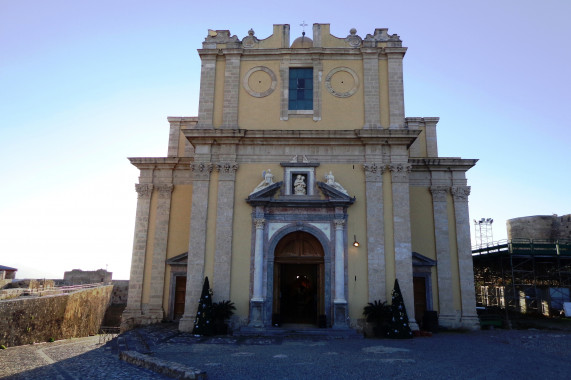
(396, 88)
(200, 174)
(339, 302)
(465, 264)
(231, 91)
(375, 231)
(447, 316)
(224, 230)
(156, 312)
(371, 88)
(400, 173)
(257, 301)
(132, 313)
(207, 84)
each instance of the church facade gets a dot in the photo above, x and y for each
(302, 191)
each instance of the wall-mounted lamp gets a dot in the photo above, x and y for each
(355, 242)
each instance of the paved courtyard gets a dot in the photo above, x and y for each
(515, 354)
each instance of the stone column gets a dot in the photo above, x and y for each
(132, 312)
(156, 311)
(224, 224)
(231, 90)
(200, 172)
(375, 231)
(465, 264)
(402, 238)
(257, 301)
(207, 84)
(396, 88)
(371, 90)
(447, 316)
(339, 302)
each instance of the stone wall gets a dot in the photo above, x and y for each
(78, 276)
(540, 227)
(37, 319)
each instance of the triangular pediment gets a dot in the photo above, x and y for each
(181, 259)
(419, 260)
(266, 192)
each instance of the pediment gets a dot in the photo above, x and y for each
(181, 259)
(266, 193)
(419, 260)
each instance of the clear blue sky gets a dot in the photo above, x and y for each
(85, 84)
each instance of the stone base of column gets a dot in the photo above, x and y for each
(470, 322)
(340, 320)
(186, 324)
(450, 321)
(130, 319)
(155, 315)
(256, 313)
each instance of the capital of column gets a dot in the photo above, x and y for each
(460, 193)
(144, 190)
(201, 170)
(374, 171)
(259, 222)
(339, 223)
(165, 190)
(227, 170)
(400, 172)
(439, 193)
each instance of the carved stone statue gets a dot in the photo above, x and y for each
(268, 180)
(299, 185)
(330, 180)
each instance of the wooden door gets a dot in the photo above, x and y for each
(419, 284)
(179, 296)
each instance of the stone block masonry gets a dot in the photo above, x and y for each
(37, 319)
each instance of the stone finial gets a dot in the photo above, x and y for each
(250, 40)
(353, 39)
(251, 32)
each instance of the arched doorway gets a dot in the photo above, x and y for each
(298, 279)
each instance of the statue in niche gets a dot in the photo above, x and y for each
(299, 185)
(330, 180)
(268, 180)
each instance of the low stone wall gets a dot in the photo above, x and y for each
(38, 319)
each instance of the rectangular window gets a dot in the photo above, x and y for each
(300, 89)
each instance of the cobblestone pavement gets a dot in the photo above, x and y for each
(78, 358)
(506, 354)
(477, 355)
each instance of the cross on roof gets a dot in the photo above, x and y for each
(303, 25)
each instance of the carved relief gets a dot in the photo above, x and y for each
(144, 190)
(201, 170)
(259, 223)
(460, 193)
(353, 39)
(330, 180)
(381, 35)
(227, 170)
(165, 190)
(219, 37)
(339, 223)
(400, 172)
(342, 82)
(439, 193)
(260, 81)
(268, 179)
(374, 171)
(250, 41)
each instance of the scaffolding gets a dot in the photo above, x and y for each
(529, 276)
(483, 234)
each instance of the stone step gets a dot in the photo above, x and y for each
(303, 332)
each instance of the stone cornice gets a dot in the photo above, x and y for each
(160, 162)
(322, 52)
(441, 163)
(302, 137)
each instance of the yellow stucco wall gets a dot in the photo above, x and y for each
(179, 227)
(219, 91)
(422, 222)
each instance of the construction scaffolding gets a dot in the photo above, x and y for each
(529, 276)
